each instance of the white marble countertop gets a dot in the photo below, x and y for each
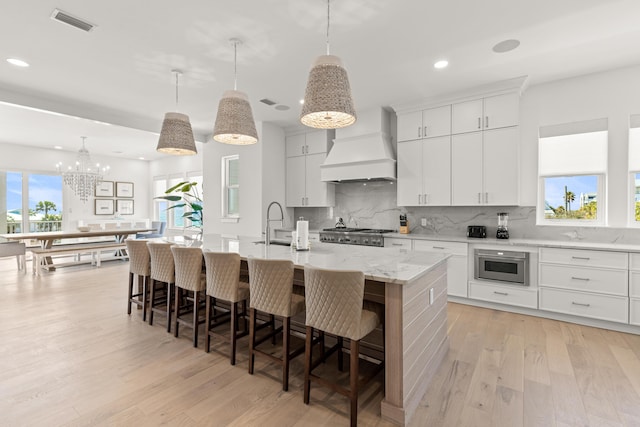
(390, 265)
(569, 244)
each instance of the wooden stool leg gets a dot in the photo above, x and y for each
(353, 381)
(142, 283)
(152, 297)
(307, 364)
(234, 333)
(340, 354)
(252, 338)
(176, 312)
(286, 329)
(273, 329)
(130, 292)
(207, 323)
(170, 288)
(196, 316)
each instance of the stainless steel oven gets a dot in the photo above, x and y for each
(502, 266)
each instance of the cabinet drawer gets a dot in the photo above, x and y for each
(585, 279)
(634, 314)
(397, 243)
(454, 248)
(596, 306)
(634, 261)
(634, 284)
(511, 295)
(584, 257)
(282, 234)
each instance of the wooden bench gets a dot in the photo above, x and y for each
(40, 255)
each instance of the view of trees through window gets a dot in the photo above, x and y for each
(571, 197)
(44, 203)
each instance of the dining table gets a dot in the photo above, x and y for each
(46, 239)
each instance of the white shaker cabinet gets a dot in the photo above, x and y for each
(484, 168)
(305, 153)
(634, 289)
(424, 172)
(457, 264)
(430, 123)
(492, 112)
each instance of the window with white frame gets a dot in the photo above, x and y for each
(634, 170)
(172, 212)
(159, 205)
(572, 171)
(231, 186)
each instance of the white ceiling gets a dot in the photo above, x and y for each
(120, 73)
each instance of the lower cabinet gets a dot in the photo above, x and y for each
(634, 311)
(457, 270)
(504, 294)
(398, 243)
(634, 289)
(585, 283)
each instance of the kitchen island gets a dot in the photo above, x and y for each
(414, 294)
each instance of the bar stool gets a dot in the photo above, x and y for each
(163, 274)
(140, 265)
(189, 279)
(271, 288)
(223, 283)
(334, 305)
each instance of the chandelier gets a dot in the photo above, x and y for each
(83, 177)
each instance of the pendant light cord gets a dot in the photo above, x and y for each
(235, 65)
(328, 23)
(177, 90)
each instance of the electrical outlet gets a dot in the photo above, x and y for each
(423, 222)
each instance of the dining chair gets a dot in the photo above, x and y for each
(334, 300)
(162, 280)
(139, 265)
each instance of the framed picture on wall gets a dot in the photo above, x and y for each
(104, 206)
(124, 189)
(104, 189)
(124, 207)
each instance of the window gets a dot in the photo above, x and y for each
(160, 206)
(164, 210)
(634, 169)
(572, 169)
(231, 187)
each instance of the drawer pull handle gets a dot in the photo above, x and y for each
(500, 293)
(586, 279)
(580, 304)
(438, 247)
(583, 258)
(397, 244)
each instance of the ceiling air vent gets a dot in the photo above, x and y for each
(64, 17)
(268, 102)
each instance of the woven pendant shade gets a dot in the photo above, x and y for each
(234, 122)
(327, 100)
(176, 136)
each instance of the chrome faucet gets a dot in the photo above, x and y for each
(267, 231)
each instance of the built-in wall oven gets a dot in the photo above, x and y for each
(510, 267)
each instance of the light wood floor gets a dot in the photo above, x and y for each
(70, 356)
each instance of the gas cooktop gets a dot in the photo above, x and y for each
(354, 236)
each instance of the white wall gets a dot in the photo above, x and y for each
(40, 160)
(262, 175)
(614, 95)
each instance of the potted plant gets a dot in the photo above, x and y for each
(187, 193)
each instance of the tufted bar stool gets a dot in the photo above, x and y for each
(223, 283)
(162, 279)
(271, 288)
(140, 265)
(189, 280)
(334, 300)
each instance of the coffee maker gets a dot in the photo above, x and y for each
(503, 229)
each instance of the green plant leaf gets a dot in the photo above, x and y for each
(172, 189)
(169, 198)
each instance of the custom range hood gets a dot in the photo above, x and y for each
(361, 152)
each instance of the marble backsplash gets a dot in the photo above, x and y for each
(373, 205)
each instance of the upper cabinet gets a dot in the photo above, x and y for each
(493, 112)
(430, 123)
(305, 153)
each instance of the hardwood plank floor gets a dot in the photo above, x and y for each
(71, 356)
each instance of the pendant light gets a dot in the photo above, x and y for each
(234, 121)
(176, 136)
(327, 100)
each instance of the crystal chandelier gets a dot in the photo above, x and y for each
(83, 177)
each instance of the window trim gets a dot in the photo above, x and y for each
(224, 170)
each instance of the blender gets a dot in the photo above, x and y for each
(503, 230)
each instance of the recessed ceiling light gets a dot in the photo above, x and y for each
(301, 101)
(57, 147)
(17, 62)
(506, 46)
(441, 64)
(140, 158)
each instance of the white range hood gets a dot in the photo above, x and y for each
(364, 153)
